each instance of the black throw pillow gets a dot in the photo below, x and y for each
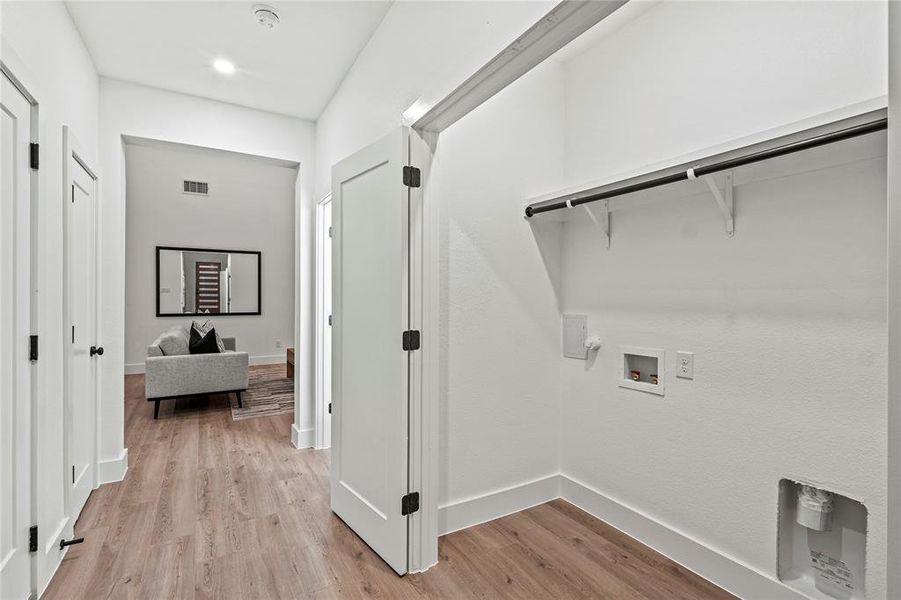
(203, 344)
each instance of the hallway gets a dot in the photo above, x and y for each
(215, 508)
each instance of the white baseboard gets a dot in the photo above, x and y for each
(302, 438)
(134, 369)
(272, 359)
(493, 505)
(114, 469)
(721, 569)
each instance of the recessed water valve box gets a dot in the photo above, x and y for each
(822, 542)
(644, 369)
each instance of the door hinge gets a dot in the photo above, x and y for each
(329, 408)
(35, 152)
(330, 320)
(412, 177)
(410, 340)
(331, 232)
(33, 538)
(409, 504)
(73, 474)
(33, 348)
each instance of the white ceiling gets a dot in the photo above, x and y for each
(293, 69)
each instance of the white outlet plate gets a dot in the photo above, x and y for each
(685, 365)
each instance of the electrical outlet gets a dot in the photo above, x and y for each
(685, 365)
(278, 343)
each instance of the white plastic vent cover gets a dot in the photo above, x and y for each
(575, 330)
(200, 188)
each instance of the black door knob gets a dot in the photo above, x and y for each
(96, 350)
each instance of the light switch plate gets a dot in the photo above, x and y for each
(685, 365)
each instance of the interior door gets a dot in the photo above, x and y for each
(370, 368)
(326, 317)
(206, 289)
(81, 283)
(15, 328)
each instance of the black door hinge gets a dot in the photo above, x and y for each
(409, 504)
(412, 177)
(33, 538)
(331, 232)
(410, 340)
(33, 348)
(330, 320)
(35, 150)
(329, 408)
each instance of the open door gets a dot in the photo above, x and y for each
(372, 345)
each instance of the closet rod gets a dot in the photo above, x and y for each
(721, 162)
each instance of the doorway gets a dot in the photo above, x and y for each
(80, 321)
(18, 347)
(323, 411)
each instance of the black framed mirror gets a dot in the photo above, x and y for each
(206, 281)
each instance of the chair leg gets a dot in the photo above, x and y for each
(240, 404)
(156, 409)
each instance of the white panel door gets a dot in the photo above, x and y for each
(370, 369)
(327, 330)
(81, 283)
(15, 324)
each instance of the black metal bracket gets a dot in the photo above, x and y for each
(33, 538)
(72, 542)
(410, 340)
(35, 156)
(409, 504)
(33, 348)
(412, 177)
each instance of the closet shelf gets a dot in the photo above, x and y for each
(704, 169)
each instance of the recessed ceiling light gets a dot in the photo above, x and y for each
(226, 67)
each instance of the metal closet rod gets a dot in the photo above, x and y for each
(714, 167)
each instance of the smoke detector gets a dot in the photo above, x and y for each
(265, 16)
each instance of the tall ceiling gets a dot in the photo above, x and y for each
(292, 69)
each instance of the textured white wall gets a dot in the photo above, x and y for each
(786, 320)
(45, 51)
(129, 109)
(250, 207)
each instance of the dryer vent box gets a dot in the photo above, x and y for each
(575, 331)
(822, 558)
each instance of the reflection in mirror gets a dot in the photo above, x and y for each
(196, 281)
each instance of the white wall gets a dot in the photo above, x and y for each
(250, 207)
(786, 319)
(130, 109)
(42, 47)
(498, 415)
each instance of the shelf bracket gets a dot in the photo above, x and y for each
(602, 221)
(724, 201)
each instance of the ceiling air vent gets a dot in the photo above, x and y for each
(198, 188)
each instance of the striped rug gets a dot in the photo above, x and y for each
(268, 393)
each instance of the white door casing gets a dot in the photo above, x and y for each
(80, 319)
(370, 369)
(323, 328)
(16, 469)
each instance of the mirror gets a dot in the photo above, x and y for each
(199, 281)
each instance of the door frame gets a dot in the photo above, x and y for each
(9, 66)
(321, 239)
(74, 150)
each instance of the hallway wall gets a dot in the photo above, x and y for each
(45, 52)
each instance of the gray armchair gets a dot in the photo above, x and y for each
(171, 371)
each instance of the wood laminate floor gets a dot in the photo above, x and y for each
(215, 508)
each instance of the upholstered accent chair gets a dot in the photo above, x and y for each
(171, 371)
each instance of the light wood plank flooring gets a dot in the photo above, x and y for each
(212, 508)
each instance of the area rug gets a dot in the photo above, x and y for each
(268, 393)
